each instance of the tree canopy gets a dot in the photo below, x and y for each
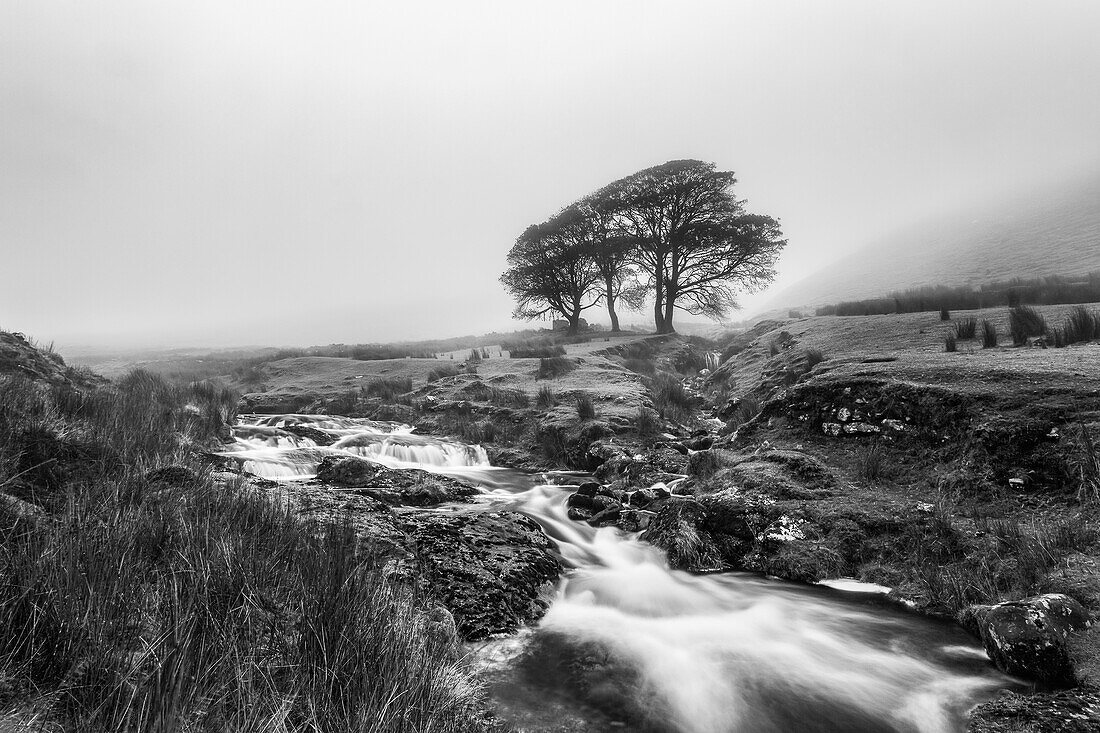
(674, 233)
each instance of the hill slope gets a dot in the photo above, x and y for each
(1053, 232)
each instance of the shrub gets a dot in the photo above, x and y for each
(552, 367)
(546, 397)
(949, 344)
(989, 335)
(966, 328)
(442, 372)
(945, 315)
(813, 358)
(1025, 322)
(585, 409)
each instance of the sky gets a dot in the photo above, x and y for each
(241, 173)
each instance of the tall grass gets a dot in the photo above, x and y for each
(166, 601)
(388, 387)
(585, 409)
(671, 398)
(1081, 325)
(552, 367)
(1025, 322)
(966, 328)
(949, 343)
(989, 334)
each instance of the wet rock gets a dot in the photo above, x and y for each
(347, 471)
(701, 443)
(635, 520)
(1027, 638)
(1067, 711)
(678, 530)
(588, 488)
(643, 498)
(601, 503)
(579, 501)
(579, 514)
(607, 516)
(494, 571)
(320, 437)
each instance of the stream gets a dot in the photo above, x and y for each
(717, 653)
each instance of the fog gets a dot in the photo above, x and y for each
(199, 173)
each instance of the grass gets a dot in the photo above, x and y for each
(168, 601)
(966, 328)
(646, 422)
(1025, 322)
(949, 343)
(552, 367)
(748, 408)
(671, 398)
(389, 387)
(1081, 325)
(443, 372)
(586, 410)
(872, 465)
(989, 334)
(546, 397)
(945, 314)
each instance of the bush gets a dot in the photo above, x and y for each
(989, 335)
(1025, 322)
(945, 315)
(966, 328)
(546, 397)
(552, 367)
(949, 344)
(585, 409)
(813, 358)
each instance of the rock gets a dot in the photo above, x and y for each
(494, 571)
(600, 503)
(579, 514)
(1067, 711)
(579, 501)
(610, 515)
(677, 529)
(635, 520)
(645, 497)
(320, 437)
(347, 471)
(397, 487)
(588, 488)
(701, 443)
(1027, 638)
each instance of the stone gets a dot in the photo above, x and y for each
(635, 520)
(1027, 638)
(494, 571)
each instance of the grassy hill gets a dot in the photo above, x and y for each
(1055, 231)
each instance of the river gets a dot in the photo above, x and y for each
(717, 653)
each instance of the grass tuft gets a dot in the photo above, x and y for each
(989, 335)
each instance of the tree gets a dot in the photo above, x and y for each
(694, 241)
(612, 254)
(551, 270)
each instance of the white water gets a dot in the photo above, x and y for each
(719, 653)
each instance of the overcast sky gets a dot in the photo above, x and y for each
(303, 173)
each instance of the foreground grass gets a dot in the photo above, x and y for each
(141, 592)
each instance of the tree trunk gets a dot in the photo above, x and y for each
(574, 322)
(659, 301)
(610, 284)
(670, 305)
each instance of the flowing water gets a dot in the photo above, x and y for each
(720, 653)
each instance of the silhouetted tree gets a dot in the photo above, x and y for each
(694, 241)
(551, 270)
(612, 253)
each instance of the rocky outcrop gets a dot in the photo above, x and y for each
(397, 487)
(19, 356)
(1027, 638)
(494, 571)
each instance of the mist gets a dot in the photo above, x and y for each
(254, 173)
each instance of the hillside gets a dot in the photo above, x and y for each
(1056, 231)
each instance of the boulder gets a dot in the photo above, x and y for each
(394, 486)
(348, 471)
(320, 437)
(493, 571)
(1065, 711)
(677, 529)
(1027, 638)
